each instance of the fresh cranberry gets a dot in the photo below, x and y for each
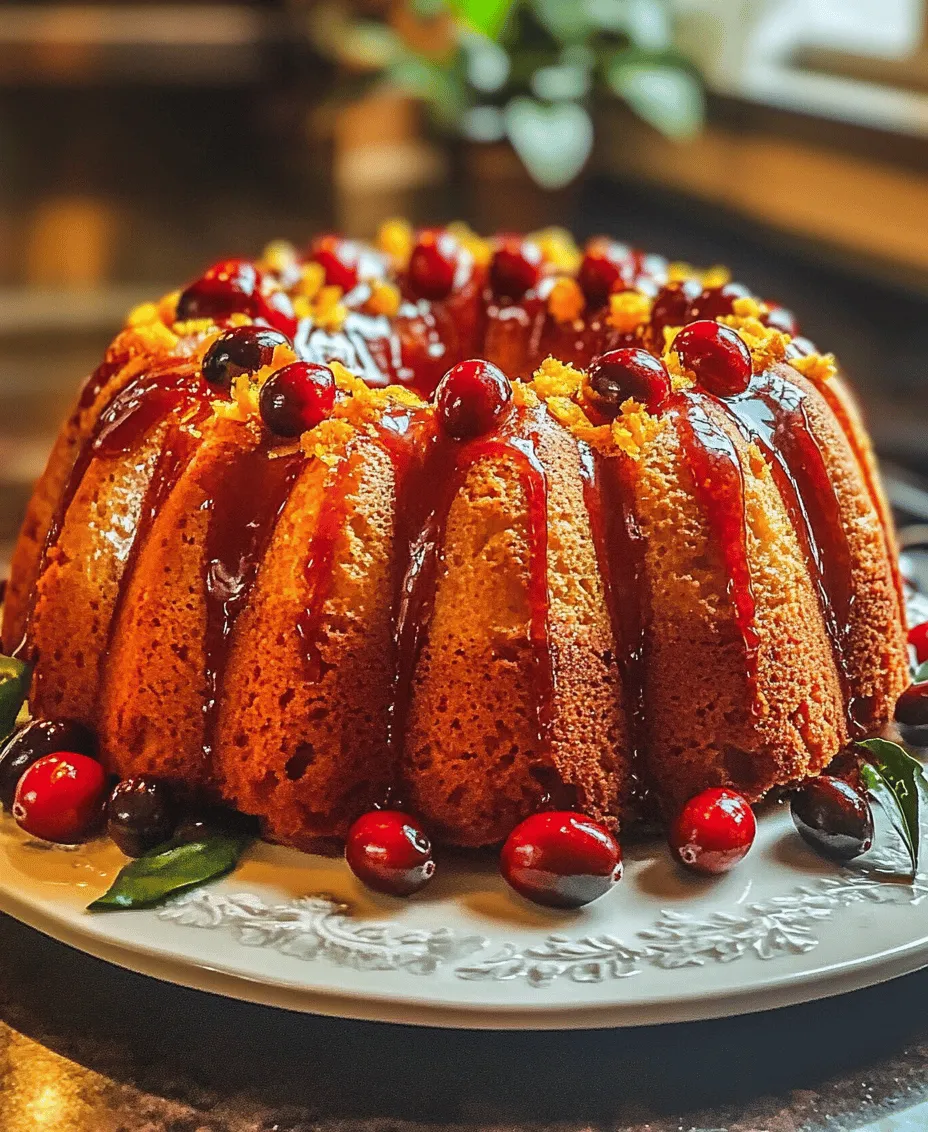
(38, 738)
(604, 269)
(433, 264)
(471, 398)
(673, 307)
(620, 374)
(717, 356)
(515, 267)
(833, 818)
(782, 319)
(717, 302)
(139, 815)
(244, 349)
(912, 705)
(230, 287)
(338, 259)
(918, 639)
(561, 859)
(60, 797)
(297, 398)
(713, 831)
(390, 852)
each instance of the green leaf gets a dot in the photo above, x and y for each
(921, 673)
(486, 16)
(893, 769)
(171, 868)
(14, 688)
(668, 96)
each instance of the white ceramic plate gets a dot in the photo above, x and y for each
(664, 946)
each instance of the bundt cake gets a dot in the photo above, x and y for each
(481, 526)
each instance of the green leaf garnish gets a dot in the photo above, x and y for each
(14, 688)
(171, 868)
(893, 771)
(921, 673)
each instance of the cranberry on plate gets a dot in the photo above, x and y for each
(38, 738)
(713, 831)
(717, 355)
(912, 705)
(561, 859)
(296, 398)
(918, 639)
(390, 852)
(471, 398)
(833, 818)
(60, 798)
(629, 372)
(139, 815)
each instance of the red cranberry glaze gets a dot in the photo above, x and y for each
(230, 287)
(918, 639)
(782, 319)
(912, 705)
(717, 302)
(472, 398)
(515, 267)
(717, 356)
(390, 852)
(433, 264)
(339, 260)
(833, 818)
(672, 307)
(562, 859)
(620, 374)
(297, 398)
(605, 268)
(244, 349)
(713, 831)
(38, 738)
(60, 797)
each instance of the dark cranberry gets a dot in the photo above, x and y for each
(61, 797)
(620, 374)
(782, 319)
(672, 307)
(833, 818)
(918, 639)
(717, 302)
(471, 398)
(433, 264)
(605, 268)
(230, 287)
(38, 738)
(338, 259)
(713, 831)
(245, 349)
(561, 859)
(297, 398)
(717, 356)
(515, 267)
(912, 705)
(139, 815)
(390, 852)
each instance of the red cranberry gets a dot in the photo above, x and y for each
(672, 307)
(390, 852)
(38, 738)
(338, 259)
(561, 859)
(139, 815)
(833, 818)
(515, 267)
(918, 639)
(717, 302)
(603, 269)
(433, 264)
(782, 319)
(620, 374)
(245, 349)
(713, 831)
(297, 398)
(60, 797)
(471, 398)
(717, 356)
(230, 287)
(912, 705)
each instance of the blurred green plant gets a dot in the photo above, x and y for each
(526, 70)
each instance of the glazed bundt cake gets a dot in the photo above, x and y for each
(631, 546)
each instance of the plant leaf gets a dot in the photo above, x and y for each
(921, 673)
(669, 97)
(486, 16)
(170, 868)
(893, 768)
(14, 687)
